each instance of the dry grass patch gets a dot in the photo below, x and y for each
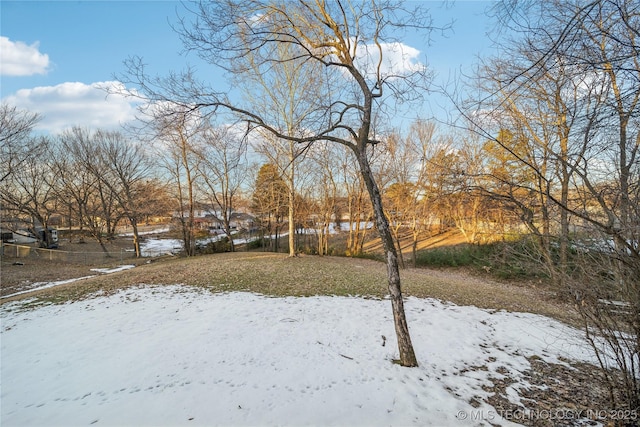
(278, 275)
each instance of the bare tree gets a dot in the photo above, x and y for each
(438, 166)
(353, 41)
(76, 184)
(82, 177)
(401, 194)
(223, 170)
(285, 156)
(178, 131)
(155, 200)
(124, 169)
(286, 95)
(16, 143)
(421, 140)
(325, 159)
(29, 191)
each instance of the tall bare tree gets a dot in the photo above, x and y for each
(357, 44)
(286, 95)
(421, 139)
(358, 210)
(401, 194)
(76, 189)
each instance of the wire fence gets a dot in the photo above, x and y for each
(21, 251)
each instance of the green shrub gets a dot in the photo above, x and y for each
(223, 245)
(452, 256)
(369, 255)
(506, 260)
(257, 243)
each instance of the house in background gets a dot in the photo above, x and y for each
(205, 217)
(237, 221)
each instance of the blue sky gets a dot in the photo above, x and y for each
(56, 53)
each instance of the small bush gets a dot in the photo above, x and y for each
(257, 244)
(454, 256)
(223, 245)
(369, 255)
(505, 260)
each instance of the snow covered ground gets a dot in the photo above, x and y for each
(175, 355)
(157, 247)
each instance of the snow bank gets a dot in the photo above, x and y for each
(178, 356)
(158, 247)
(113, 270)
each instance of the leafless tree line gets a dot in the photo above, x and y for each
(560, 113)
(93, 180)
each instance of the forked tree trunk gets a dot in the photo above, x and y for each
(405, 347)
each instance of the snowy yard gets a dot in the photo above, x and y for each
(175, 355)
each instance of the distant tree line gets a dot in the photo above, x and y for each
(92, 181)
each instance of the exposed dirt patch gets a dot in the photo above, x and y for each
(553, 394)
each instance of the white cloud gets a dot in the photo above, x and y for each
(20, 59)
(398, 59)
(75, 104)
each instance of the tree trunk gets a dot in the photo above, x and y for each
(396, 235)
(292, 199)
(227, 230)
(136, 236)
(405, 347)
(414, 244)
(292, 224)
